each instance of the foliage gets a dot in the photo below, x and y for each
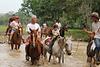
(78, 34)
(73, 12)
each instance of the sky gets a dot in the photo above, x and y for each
(10, 5)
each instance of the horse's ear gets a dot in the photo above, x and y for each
(70, 37)
(37, 29)
(30, 29)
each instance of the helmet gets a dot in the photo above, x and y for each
(95, 14)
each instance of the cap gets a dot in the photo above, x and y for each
(95, 14)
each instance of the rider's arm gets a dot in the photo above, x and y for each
(28, 29)
(89, 32)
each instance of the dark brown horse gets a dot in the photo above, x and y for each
(34, 50)
(16, 39)
(46, 32)
(90, 54)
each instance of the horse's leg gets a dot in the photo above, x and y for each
(9, 39)
(59, 59)
(32, 61)
(12, 45)
(62, 56)
(50, 57)
(27, 52)
(45, 53)
(16, 46)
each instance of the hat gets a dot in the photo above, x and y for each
(95, 14)
(44, 24)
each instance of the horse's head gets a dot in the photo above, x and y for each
(60, 41)
(34, 31)
(65, 27)
(20, 29)
(68, 44)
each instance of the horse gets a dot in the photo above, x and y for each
(16, 38)
(68, 45)
(34, 51)
(46, 32)
(58, 52)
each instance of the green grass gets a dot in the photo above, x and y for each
(3, 28)
(78, 34)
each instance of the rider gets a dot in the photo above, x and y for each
(34, 26)
(14, 25)
(57, 22)
(95, 33)
(55, 33)
(8, 28)
(44, 28)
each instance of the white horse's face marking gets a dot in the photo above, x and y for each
(68, 42)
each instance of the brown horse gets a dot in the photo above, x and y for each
(34, 51)
(16, 38)
(46, 32)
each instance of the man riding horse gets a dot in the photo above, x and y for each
(95, 34)
(34, 31)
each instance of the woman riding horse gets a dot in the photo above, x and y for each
(16, 33)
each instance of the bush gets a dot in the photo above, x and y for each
(78, 34)
(3, 28)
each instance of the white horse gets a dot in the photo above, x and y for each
(68, 45)
(59, 45)
(57, 49)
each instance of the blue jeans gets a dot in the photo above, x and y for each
(97, 49)
(97, 43)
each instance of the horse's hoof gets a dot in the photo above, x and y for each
(38, 64)
(97, 62)
(69, 53)
(27, 58)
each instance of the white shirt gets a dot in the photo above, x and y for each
(14, 24)
(96, 29)
(33, 27)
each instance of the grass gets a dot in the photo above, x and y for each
(3, 28)
(76, 33)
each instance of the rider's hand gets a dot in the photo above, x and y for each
(84, 29)
(91, 34)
